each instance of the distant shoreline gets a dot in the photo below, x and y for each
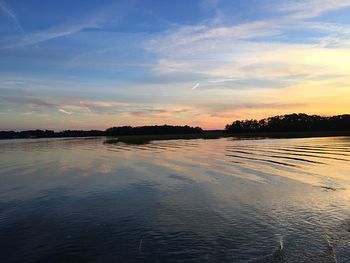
(282, 126)
(135, 139)
(138, 139)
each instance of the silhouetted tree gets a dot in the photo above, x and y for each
(291, 123)
(152, 130)
(114, 131)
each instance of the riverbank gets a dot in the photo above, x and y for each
(139, 139)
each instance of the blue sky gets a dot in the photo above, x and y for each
(94, 64)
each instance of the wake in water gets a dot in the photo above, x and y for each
(277, 256)
(336, 241)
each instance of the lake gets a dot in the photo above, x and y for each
(222, 200)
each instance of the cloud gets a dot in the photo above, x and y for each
(203, 49)
(186, 37)
(258, 54)
(25, 100)
(103, 103)
(8, 12)
(147, 113)
(302, 9)
(154, 113)
(96, 20)
(65, 112)
(38, 37)
(31, 103)
(195, 86)
(208, 5)
(224, 107)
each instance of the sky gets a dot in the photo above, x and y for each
(93, 64)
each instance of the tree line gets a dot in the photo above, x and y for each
(153, 130)
(291, 123)
(282, 123)
(114, 131)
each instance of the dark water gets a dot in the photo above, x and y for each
(226, 200)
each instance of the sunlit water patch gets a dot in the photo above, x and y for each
(225, 200)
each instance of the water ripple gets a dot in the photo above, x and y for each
(225, 200)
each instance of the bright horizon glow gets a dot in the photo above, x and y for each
(96, 64)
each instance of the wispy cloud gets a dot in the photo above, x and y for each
(187, 36)
(8, 12)
(258, 53)
(31, 103)
(38, 37)
(71, 27)
(195, 86)
(152, 112)
(302, 9)
(209, 4)
(65, 112)
(27, 100)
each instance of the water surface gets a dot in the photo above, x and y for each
(225, 200)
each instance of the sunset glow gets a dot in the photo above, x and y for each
(203, 63)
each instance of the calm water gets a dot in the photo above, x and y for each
(226, 200)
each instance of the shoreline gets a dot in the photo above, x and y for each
(207, 135)
(136, 139)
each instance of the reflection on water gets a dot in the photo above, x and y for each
(225, 200)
